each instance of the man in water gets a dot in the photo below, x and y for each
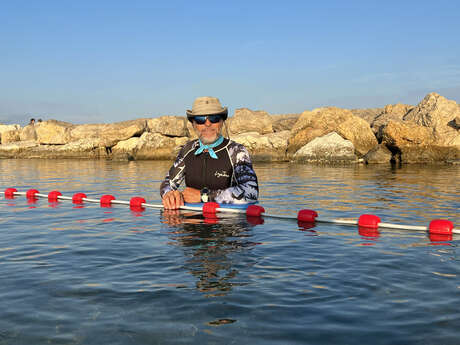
(214, 168)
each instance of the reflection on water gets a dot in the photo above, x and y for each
(209, 245)
(86, 275)
(411, 193)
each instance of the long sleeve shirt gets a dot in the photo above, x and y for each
(230, 178)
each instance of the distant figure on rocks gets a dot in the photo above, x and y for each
(214, 168)
(28, 132)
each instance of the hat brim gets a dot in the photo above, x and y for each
(223, 112)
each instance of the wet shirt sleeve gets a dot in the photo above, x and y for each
(245, 188)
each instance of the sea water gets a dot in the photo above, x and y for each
(85, 274)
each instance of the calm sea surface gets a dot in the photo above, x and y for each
(91, 275)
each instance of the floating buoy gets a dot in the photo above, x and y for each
(367, 223)
(53, 195)
(106, 200)
(136, 202)
(441, 226)
(9, 193)
(30, 194)
(77, 198)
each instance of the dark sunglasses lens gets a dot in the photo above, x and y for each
(200, 119)
(214, 118)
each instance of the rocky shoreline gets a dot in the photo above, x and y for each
(426, 133)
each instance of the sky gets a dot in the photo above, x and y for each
(109, 61)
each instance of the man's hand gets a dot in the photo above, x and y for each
(191, 194)
(173, 200)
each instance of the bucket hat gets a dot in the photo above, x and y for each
(207, 106)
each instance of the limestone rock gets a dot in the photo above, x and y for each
(429, 154)
(394, 112)
(378, 155)
(245, 120)
(331, 148)
(157, 146)
(5, 128)
(321, 121)
(262, 148)
(358, 131)
(368, 114)
(416, 144)
(172, 126)
(437, 113)
(54, 132)
(455, 123)
(399, 134)
(109, 134)
(10, 136)
(284, 122)
(17, 149)
(28, 133)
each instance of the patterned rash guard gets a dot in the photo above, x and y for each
(230, 178)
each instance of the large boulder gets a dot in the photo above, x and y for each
(321, 121)
(245, 120)
(109, 134)
(427, 133)
(28, 133)
(391, 112)
(17, 149)
(53, 132)
(399, 134)
(263, 148)
(368, 114)
(5, 128)
(284, 122)
(157, 146)
(171, 126)
(378, 155)
(358, 131)
(437, 113)
(411, 143)
(125, 149)
(329, 149)
(10, 136)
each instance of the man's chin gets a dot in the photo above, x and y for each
(208, 140)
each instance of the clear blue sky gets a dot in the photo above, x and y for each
(107, 61)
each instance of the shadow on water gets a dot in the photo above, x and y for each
(210, 246)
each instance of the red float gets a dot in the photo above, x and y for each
(210, 207)
(106, 200)
(77, 198)
(369, 221)
(307, 216)
(53, 195)
(136, 202)
(254, 211)
(9, 193)
(30, 194)
(441, 226)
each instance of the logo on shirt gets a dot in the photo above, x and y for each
(221, 174)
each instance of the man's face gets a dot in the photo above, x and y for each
(208, 132)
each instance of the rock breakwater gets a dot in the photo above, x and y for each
(426, 133)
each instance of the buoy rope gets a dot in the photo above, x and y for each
(438, 226)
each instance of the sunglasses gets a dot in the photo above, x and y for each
(200, 120)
